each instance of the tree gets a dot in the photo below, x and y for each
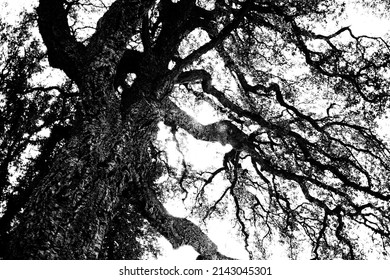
(298, 106)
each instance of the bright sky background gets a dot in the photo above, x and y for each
(198, 152)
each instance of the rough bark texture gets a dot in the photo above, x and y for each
(68, 216)
(310, 174)
(107, 156)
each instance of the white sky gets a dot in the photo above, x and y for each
(198, 153)
(11, 8)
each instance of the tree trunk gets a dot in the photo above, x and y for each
(107, 158)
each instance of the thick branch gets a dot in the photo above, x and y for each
(63, 50)
(118, 24)
(223, 131)
(178, 231)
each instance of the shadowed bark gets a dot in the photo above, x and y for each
(313, 173)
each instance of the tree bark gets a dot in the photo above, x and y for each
(69, 213)
(106, 157)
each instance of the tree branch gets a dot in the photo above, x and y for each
(223, 131)
(113, 29)
(63, 49)
(178, 231)
(216, 40)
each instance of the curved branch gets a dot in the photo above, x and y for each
(216, 39)
(113, 30)
(205, 78)
(223, 131)
(63, 49)
(107, 44)
(178, 231)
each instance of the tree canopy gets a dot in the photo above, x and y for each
(102, 100)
